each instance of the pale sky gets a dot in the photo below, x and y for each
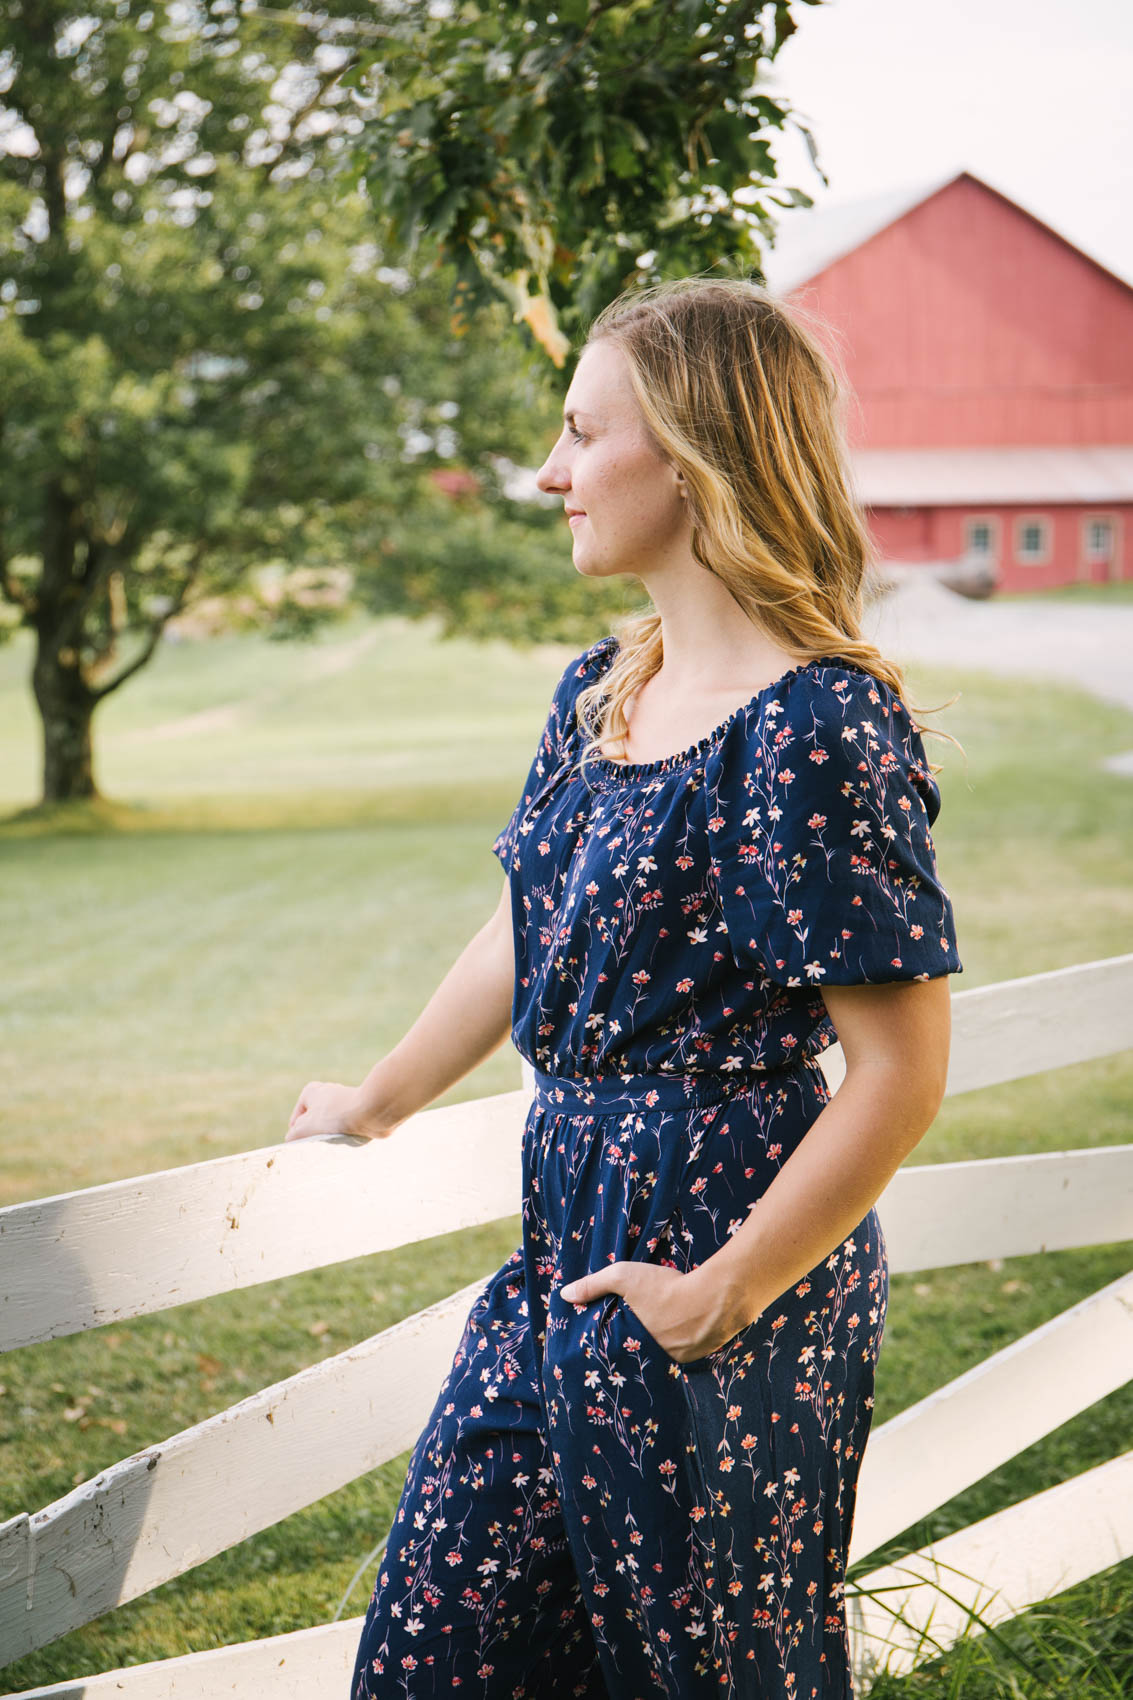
(1034, 96)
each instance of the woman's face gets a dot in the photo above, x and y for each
(623, 500)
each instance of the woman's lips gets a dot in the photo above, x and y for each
(571, 517)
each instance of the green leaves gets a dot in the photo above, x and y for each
(210, 360)
(573, 13)
(241, 248)
(567, 140)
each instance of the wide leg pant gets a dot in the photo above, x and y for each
(583, 1516)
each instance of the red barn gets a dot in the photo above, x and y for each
(993, 367)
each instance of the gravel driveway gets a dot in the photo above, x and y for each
(1086, 644)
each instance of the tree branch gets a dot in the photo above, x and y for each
(101, 648)
(153, 637)
(81, 592)
(54, 194)
(104, 554)
(326, 81)
(136, 665)
(319, 21)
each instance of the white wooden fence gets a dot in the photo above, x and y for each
(84, 1259)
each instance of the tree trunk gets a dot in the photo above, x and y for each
(65, 699)
(66, 707)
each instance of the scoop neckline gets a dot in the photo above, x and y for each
(681, 758)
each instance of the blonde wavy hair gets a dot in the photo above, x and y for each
(738, 395)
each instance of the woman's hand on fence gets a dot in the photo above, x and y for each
(324, 1107)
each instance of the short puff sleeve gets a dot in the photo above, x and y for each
(551, 752)
(820, 803)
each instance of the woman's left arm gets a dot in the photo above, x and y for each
(895, 1041)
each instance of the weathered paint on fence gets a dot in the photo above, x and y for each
(898, 1614)
(308, 1664)
(1021, 1027)
(235, 1221)
(65, 1271)
(173, 1506)
(940, 1214)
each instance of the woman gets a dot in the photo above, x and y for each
(639, 1476)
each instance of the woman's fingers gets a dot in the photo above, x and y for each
(592, 1286)
(302, 1106)
(303, 1102)
(323, 1107)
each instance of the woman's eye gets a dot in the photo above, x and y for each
(576, 434)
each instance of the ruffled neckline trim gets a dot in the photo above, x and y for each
(609, 767)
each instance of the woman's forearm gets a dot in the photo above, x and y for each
(466, 1019)
(820, 1195)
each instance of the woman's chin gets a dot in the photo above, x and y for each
(593, 566)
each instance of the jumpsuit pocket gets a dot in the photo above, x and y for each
(632, 1325)
(692, 1366)
(629, 1326)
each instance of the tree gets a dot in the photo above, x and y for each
(554, 155)
(204, 363)
(558, 153)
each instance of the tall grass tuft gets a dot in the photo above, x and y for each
(1078, 1646)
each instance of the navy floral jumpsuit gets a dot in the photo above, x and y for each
(584, 1516)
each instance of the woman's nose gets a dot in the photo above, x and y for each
(552, 477)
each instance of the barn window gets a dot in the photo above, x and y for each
(1032, 540)
(1099, 540)
(981, 536)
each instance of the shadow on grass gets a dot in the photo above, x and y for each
(465, 804)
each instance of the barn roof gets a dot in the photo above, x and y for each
(1042, 477)
(807, 241)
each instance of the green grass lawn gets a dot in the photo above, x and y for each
(298, 848)
(1117, 590)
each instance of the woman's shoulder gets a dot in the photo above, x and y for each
(832, 681)
(598, 656)
(832, 714)
(579, 672)
(830, 696)
(584, 668)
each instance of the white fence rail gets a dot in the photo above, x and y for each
(171, 1507)
(907, 1612)
(212, 1227)
(237, 1221)
(995, 1411)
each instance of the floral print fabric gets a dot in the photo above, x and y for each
(582, 1515)
(683, 914)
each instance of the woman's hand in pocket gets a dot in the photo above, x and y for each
(686, 1314)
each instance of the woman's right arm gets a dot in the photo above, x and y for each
(466, 1019)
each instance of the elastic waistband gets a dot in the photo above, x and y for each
(607, 1094)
